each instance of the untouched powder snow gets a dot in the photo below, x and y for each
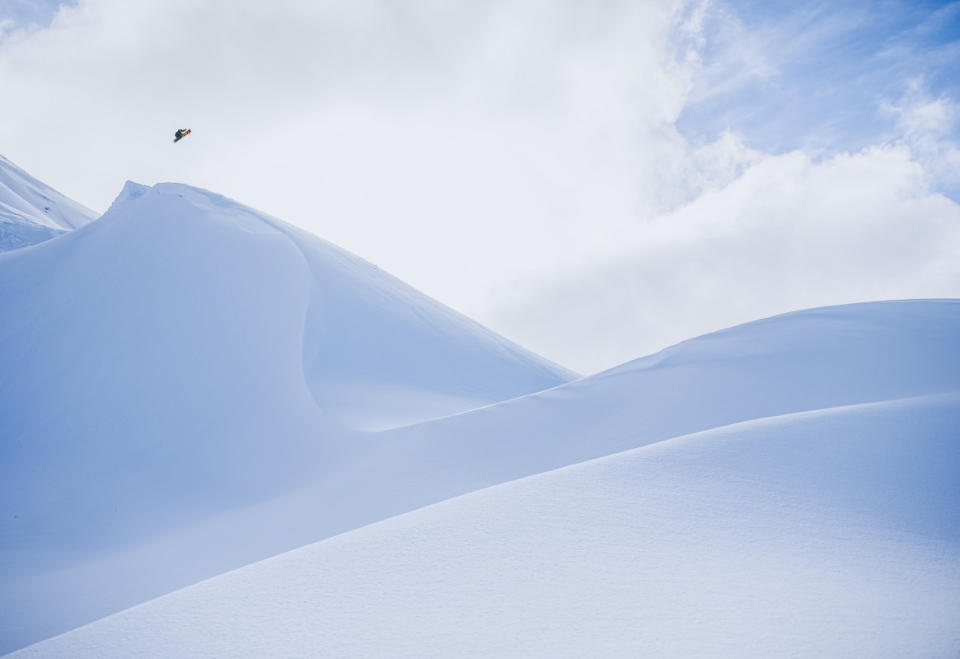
(31, 211)
(826, 533)
(795, 362)
(188, 386)
(184, 356)
(820, 358)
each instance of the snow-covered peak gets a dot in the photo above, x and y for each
(129, 192)
(189, 385)
(185, 356)
(31, 211)
(376, 352)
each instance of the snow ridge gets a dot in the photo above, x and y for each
(830, 532)
(189, 386)
(32, 212)
(199, 358)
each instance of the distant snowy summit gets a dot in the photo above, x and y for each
(31, 211)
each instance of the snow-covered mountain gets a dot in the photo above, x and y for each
(31, 211)
(183, 357)
(189, 386)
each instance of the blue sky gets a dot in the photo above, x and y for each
(787, 75)
(30, 13)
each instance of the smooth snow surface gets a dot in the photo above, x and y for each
(827, 533)
(189, 386)
(799, 361)
(182, 357)
(31, 211)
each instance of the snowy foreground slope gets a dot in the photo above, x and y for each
(826, 533)
(31, 211)
(822, 358)
(184, 356)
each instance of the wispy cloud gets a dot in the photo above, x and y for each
(814, 75)
(930, 127)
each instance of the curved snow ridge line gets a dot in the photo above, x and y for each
(731, 428)
(672, 443)
(217, 207)
(328, 263)
(128, 193)
(385, 281)
(246, 219)
(797, 362)
(694, 350)
(685, 530)
(507, 347)
(465, 414)
(223, 205)
(939, 398)
(641, 443)
(197, 326)
(348, 299)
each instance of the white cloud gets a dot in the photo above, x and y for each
(789, 233)
(458, 145)
(518, 161)
(929, 126)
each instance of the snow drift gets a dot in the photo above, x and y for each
(188, 386)
(184, 356)
(31, 211)
(805, 360)
(827, 533)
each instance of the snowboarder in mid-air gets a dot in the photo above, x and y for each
(180, 134)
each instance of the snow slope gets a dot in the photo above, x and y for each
(188, 386)
(827, 533)
(182, 357)
(31, 211)
(800, 361)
